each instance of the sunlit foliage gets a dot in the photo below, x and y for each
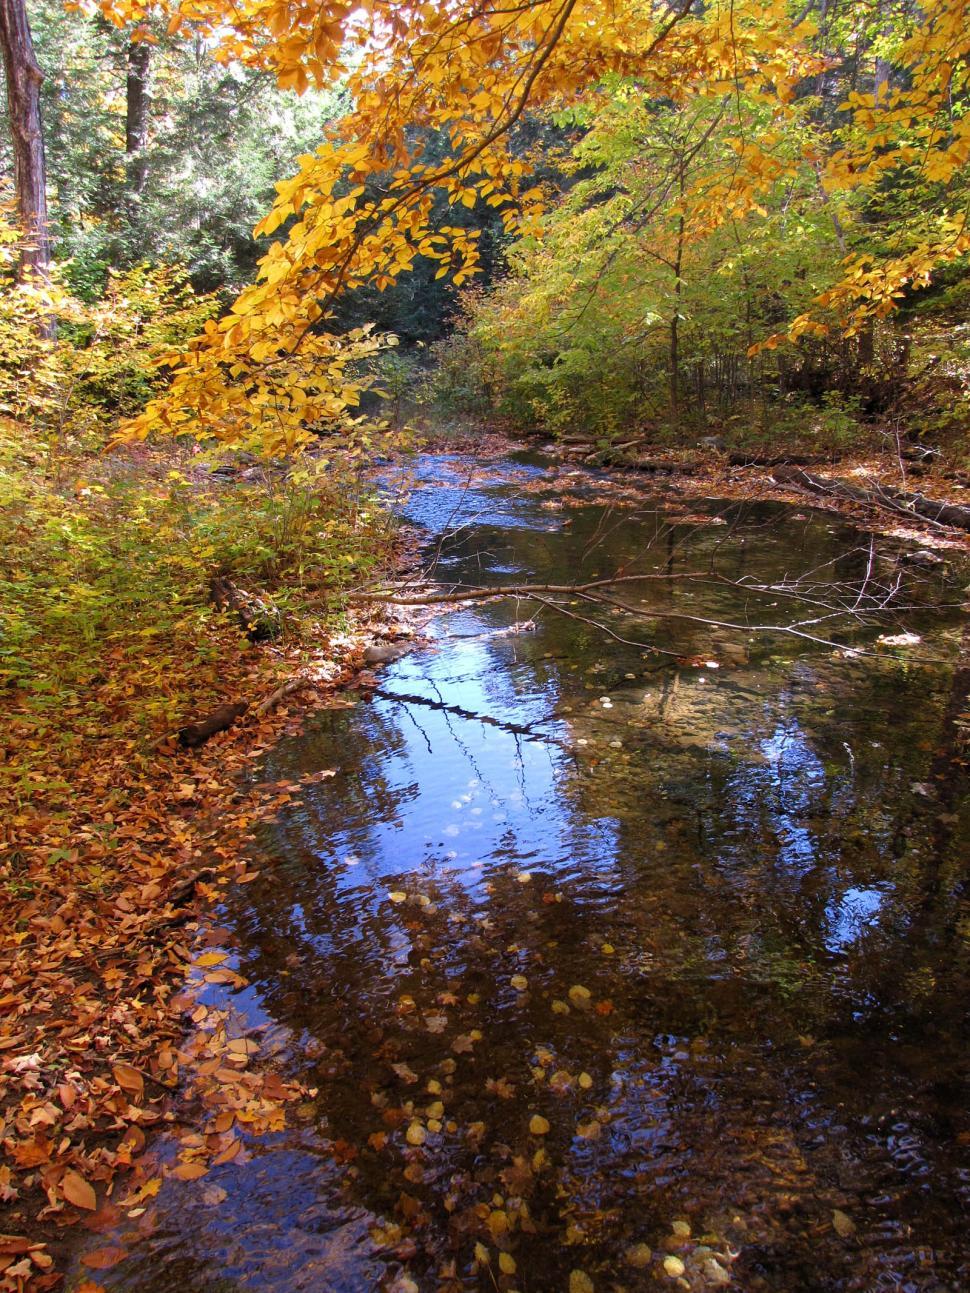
(471, 71)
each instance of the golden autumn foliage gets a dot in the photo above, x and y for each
(358, 209)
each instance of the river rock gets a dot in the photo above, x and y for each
(383, 652)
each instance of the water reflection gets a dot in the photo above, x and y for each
(577, 945)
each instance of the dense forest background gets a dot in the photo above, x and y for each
(635, 309)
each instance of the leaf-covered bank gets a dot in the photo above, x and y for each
(112, 834)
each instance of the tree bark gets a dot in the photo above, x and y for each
(24, 79)
(138, 104)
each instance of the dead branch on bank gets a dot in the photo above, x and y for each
(899, 502)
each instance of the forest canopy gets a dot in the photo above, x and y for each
(697, 140)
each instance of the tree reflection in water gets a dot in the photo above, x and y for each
(706, 931)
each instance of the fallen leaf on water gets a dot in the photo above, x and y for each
(673, 1266)
(506, 1263)
(843, 1224)
(579, 1282)
(538, 1125)
(501, 1087)
(519, 982)
(15, 1244)
(397, 896)
(213, 1195)
(77, 1191)
(498, 1223)
(639, 1255)
(210, 958)
(189, 1171)
(243, 1046)
(102, 1259)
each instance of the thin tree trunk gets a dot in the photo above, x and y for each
(136, 116)
(24, 79)
(675, 318)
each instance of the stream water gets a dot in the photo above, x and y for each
(611, 969)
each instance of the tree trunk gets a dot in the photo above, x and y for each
(136, 116)
(675, 318)
(24, 79)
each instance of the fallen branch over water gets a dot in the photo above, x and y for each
(835, 604)
(442, 707)
(454, 593)
(195, 734)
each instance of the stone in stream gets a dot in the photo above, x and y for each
(383, 652)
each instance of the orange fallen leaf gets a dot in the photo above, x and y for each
(129, 1079)
(189, 1171)
(77, 1191)
(31, 1153)
(15, 1244)
(274, 1088)
(210, 958)
(243, 1046)
(229, 1153)
(102, 1259)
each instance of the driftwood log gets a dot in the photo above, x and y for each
(195, 734)
(897, 501)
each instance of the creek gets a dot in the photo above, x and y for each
(611, 969)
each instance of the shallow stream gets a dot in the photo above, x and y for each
(612, 969)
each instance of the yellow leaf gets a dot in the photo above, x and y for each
(77, 1191)
(210, 958)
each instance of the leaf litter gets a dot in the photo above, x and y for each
(109, 866)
